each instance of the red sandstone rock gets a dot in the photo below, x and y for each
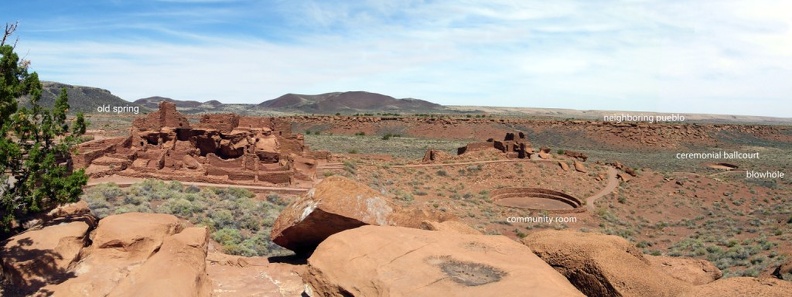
(563, 165)
(603, 265)
(742, 286)
(38, 257)
(623, 177)
(694, 271)
(395, 261)
(449, 226)
(577, 155)
(177, 269)
(234, 276)
(580, 167)
(120, 245)
(334, 205)
(630, 171)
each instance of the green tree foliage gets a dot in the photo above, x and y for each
(35, 144)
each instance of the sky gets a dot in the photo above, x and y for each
(675, 56)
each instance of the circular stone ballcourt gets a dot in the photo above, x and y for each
(537, 199)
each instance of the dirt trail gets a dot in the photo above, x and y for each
(613, 182)
(126, 181)
(471, 163)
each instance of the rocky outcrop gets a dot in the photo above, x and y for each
(395, 261)
(564, 166)
(603, 265)
(33, 259)
(234, 276)
(694, 271)
(130, 251)
(334, 205)
(449, 226)
(577, 155)
(579, 167)
(742, 286)
(783, 269)
(623, 177)
(178, 268)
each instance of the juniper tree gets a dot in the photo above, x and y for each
(35, 143)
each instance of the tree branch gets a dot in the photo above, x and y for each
(9, 30)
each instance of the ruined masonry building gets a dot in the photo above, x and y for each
(223, 148)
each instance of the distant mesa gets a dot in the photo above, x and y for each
(153, 102)
(81, 98)
(347, 102)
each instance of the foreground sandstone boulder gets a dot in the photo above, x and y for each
(121, 245)
(603, 265)
(35, 258)
(234, 276)
(743, 286)
(694, 271)
(177, 269)
(334, 205)
(396, 261)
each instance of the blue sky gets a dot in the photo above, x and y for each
(723, 57)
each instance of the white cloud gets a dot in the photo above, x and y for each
(646, 55)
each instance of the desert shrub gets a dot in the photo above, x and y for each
(249, 222)
(223, 218)
(234, 217)
(232, 194)
(110, 191)
(179, 207)
(442, 173)
(135, 199)
(227, 236)
(192, 189)
(277, 200)
(389, 136)
(350, 167)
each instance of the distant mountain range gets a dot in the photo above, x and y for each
(81, 98)
(347, 102)
(87, 99)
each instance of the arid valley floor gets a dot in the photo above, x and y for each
(589, 176)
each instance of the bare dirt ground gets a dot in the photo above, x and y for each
(672, 207)
(126, 181)
(612, 184)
